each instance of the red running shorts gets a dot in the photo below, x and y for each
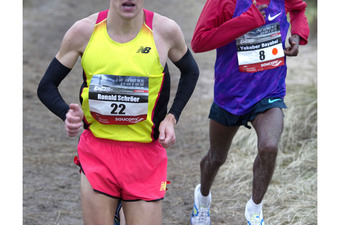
(125, 170)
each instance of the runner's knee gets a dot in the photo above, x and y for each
(214, 160)
(268, 150)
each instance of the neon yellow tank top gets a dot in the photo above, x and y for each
(122, 83)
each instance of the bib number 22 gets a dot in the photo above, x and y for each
(118, 109)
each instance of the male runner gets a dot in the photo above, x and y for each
(124, 96)
(250, 72)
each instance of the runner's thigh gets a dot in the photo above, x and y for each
(143, 213)
(269, 126)
(221, 137)
(96, 208)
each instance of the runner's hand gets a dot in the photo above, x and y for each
(293, 49)
(167, 131)
(73, 121)
(261, 7)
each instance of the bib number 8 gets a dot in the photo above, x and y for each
(262, 56)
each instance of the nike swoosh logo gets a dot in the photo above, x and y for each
(270, 18)
(274, 100)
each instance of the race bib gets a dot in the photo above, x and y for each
(119, 99)
(260, 49)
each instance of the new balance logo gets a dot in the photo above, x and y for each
(163, 186)
(145, 50)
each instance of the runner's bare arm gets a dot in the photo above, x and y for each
(176, 39)
(75, 41)
(73, 45)
(180, 55)
(168, 38)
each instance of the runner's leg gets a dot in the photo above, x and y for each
(96, 208)
(122, 217)
(143, 213)
(220, 141)
(268, 126)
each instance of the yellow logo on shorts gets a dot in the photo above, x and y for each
(163, 186)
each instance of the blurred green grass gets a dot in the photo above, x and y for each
(312, 17)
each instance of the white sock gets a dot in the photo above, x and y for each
(253, 207)
(204, 200)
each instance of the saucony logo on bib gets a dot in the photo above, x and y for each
(130, 120)
(272, 63)
(270, 18)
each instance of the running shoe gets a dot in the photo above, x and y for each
(254, 218)
(200, 214)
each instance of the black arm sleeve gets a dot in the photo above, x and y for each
(48, 89)
(187, 82)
